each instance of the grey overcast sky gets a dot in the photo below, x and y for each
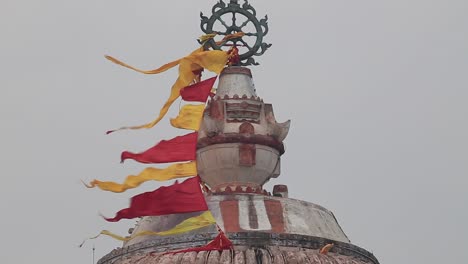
(376, 91)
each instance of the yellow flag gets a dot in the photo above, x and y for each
(189, 117)
(212, 60)
(206, 37)
(193, 223)
(163, 68)
(174, 171)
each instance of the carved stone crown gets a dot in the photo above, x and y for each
(240, 142)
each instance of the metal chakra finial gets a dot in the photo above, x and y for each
(232, 18)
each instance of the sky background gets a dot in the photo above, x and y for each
(376, 91)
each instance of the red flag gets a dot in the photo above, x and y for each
(221, 242)
(199, 91)
(181, 148)
(185, 197)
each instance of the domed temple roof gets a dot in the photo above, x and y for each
(236, 213)
(249, 255)
(263, 229)
(238, 151)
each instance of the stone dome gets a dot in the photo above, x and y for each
(249, 248)
(263, 229)
(238, 151)
(247, 255)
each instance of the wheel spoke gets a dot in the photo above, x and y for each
(223, 23)
(251, 34)
(244, 24)
(245, 44)
(234, 19)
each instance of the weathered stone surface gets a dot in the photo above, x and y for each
(240, 142)
(266, 255)
(189, 258)
(214, 257)
(239, 257)
(277, 257)
(226, 257)
(248, 247)
(256, 213)
(202, 257)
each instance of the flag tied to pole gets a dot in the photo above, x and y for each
(193, 223)
(181, 148)
(189, 117)
(174, 171)
(190, 68)
(185, 197)
(198, 92)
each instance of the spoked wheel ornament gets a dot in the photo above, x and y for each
(232, 18)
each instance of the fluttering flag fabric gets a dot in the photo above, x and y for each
(181, 148)
(221, 242)
(161, 69)
(189, 69)
(199, 91)
(185, 197)
(190, 117)
(174, 171)
(204, 38)
(107, 233)
(203, 220)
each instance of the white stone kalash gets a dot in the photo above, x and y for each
(240, 142)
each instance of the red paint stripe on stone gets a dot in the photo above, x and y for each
(230, 213)
(275, 215)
